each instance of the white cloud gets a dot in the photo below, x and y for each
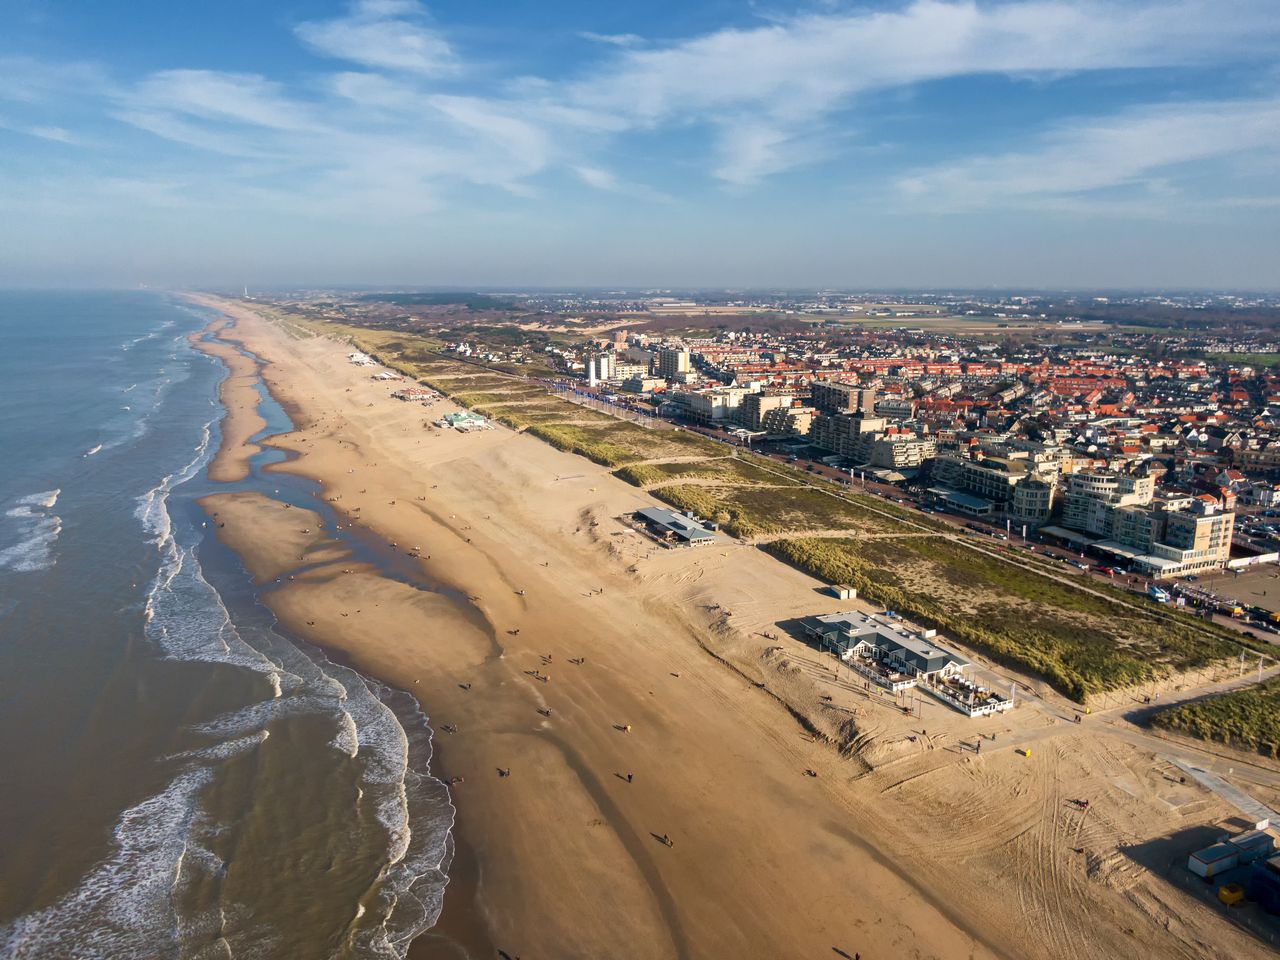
(767, 99)
(56, 134)
(613, 39)
(27, 80)
(224, 97)
(1132, 150)
(596, 177)
(750, 151)
(53, 133)
(790, 77)
(385, 34)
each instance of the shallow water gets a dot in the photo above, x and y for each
(180, 779)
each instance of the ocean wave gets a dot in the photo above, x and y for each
(122, 907)
(226, 750)
(150, 335)
(184, 616)
(148, 397)
(414, 878)
(97, 448)
(34, 531)
(389, 738)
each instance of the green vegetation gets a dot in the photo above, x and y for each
(1082, 644)
(482, 398)
(726, 468)
(754, 511)
(594, 444)
(520, 416)
(1243, 718)
(472, 301)
(1252, 359)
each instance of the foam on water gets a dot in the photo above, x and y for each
(122, 907)
(127, 905)
(31, 530)
(413, 880)
(185, 617)
(188, 621)
(151, 335)
(347, 739)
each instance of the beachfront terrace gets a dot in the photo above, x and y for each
(878, 673)
(968, 697)
(887, 641)
(884, 650)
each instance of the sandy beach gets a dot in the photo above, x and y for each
(632, 695)
(239, 396)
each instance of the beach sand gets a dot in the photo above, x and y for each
(516, 564)
(239, 396)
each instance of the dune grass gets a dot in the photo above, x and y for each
(1081, 644)
(1247, 718)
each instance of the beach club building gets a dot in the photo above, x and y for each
(910, 654)
(675, 529)
(464, 421)
(887, 652)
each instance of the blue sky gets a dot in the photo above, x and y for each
(925, 143)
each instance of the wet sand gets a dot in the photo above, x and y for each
(512, 564)
(239, 396)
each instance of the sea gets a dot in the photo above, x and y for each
(179, 778)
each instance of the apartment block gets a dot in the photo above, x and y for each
(843, 398)
(673, 363)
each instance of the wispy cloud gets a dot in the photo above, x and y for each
(51, 133)
(395, 127)
(28, 80)
(56, 134)
(385, 34)
(613, 39)
(233, 98)
(596, 177)
(1135, 150)
(786, 78)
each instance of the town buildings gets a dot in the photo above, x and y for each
(1117, 449)
(1170, 536)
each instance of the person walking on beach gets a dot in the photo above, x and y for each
(629, 777)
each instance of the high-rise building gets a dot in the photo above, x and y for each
(673, 363)
(1164, 539)
(755, 405)
(830, 396)
(1092, 498)
(846, 436)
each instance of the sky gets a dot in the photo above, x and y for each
(547, 143)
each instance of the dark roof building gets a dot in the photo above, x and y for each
(881, 638)
(672, 527)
